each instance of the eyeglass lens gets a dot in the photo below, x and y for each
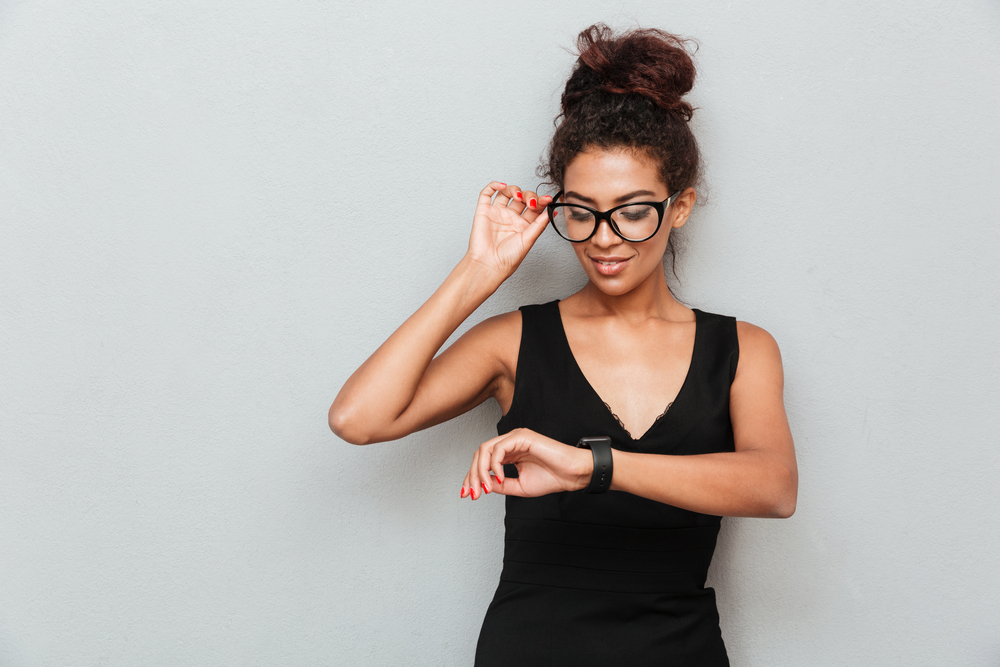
(637, 221)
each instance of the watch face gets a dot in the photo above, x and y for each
(587, 442)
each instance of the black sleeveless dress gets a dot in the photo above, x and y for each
(609, 579)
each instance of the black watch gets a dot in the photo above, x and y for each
(600, 481)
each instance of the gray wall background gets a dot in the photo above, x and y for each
(212, 213)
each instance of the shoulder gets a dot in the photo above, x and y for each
(753, 339)
(511, 325)
(505, 329)
(499, 328)
(497, 338)
(500, 336)
(759, 353)
(495, 332)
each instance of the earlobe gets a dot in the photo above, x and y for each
(681, 216)
(682, 207)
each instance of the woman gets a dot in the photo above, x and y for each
(607, 548)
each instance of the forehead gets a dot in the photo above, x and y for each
(601, 173)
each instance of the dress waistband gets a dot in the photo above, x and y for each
(607, 558)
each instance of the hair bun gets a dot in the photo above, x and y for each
(648, 62)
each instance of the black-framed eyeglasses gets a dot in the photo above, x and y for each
(635, 221)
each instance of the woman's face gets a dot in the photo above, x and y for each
(602, 179)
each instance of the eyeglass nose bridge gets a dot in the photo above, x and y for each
(606, 217)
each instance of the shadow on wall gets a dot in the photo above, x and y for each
(757, 571)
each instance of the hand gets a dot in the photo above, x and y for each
(505, 227)
(543, 466)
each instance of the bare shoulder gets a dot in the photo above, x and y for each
(503, 325)
(754, 339)
(759, 353)
(497, 338)
(500, 331)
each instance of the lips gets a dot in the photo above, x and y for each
(610, 266)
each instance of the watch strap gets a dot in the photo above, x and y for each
(600, 447)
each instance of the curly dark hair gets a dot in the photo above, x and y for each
(625, 92)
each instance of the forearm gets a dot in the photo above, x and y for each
(375, 396)
(756, 483)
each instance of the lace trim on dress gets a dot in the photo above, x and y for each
(622, 424)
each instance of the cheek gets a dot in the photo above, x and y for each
(658, 244)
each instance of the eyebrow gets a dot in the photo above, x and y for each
(619, 200)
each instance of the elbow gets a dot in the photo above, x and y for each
(784, 509)
(783, 506)
(345, 427)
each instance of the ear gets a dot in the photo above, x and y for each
(681, 208)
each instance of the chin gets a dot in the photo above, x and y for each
(612, 286)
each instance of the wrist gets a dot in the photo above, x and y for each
(583, 470)
(474, 281)
(482, 279)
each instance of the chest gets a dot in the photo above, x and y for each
(636, 371)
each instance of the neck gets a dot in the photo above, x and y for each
(650, 299)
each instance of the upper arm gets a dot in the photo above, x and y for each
(756, 401)
(479, 365)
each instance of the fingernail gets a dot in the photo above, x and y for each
(485, 490)
(533, 203)
(517, 194)
(502, 184)
(462, 495)
(498, 480)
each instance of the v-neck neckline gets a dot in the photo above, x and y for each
(664, 416)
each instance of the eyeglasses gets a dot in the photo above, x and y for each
(635, 222)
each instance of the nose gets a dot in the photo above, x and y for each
(605, 237)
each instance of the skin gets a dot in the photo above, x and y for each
(631, 338)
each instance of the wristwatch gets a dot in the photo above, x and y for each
(600, 447)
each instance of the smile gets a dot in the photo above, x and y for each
(609, 266)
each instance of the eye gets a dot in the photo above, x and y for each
(635, 213)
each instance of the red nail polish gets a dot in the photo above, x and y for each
(462, 495)
(497, 480)
(533, 203)
(503, 185)
(485, 490)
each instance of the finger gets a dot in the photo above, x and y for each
(517, 202)
(535, 205)
(511, 197)
(511, 487)
(475, 490)
(486, 194)
(530, 198)
(465, 487)
(480, 482)
(501, 454)
(483, 465)
(535, 229)
(535, 201)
